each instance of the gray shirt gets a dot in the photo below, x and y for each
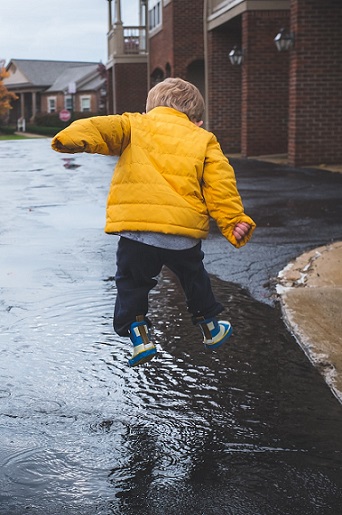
(163, 241)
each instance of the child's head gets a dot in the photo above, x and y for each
(179, 94)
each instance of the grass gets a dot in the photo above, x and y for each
(11, 136)
(16, 136)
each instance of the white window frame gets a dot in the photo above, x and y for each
(52, 104)
(68, 102)
(82, 99)
(155, 15)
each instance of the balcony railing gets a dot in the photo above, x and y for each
(134, 40)
(127, 41)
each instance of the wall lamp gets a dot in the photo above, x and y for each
(284, 40)
(236, 56)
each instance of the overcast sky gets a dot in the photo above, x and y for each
(61, 30)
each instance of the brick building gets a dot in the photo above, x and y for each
(45, 87)
(127, 65)
(273, 102)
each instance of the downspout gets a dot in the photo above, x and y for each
(206, 71)
(118, 46)
(148, 48)
(110, 28)
(114, 89)
(143, 22)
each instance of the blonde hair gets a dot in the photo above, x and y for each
(179, 94)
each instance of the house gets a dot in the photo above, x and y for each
(127, 66)
(259, 100)
(50, 86)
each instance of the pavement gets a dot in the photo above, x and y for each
(310, 294)
(28, 134)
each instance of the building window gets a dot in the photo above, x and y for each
(85, 104)
(155, 14)
(68, 102)
(51, 104)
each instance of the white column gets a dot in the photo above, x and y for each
(109, 15)
(117, 18)
(22, 105)
(34, 105)
(118, 32)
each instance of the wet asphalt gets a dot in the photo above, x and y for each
(295, 210)
(252, 429)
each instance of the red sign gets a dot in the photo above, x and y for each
(64, 115)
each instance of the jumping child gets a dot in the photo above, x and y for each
(170, 179)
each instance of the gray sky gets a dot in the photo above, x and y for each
(74, 30)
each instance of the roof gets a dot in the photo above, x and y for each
(43, 73)
(85, 78)
(93, 84)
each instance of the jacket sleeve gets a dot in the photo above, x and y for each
(108, 135)
(221, 194)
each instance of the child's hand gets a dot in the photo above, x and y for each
(57, 145)
(240, 230)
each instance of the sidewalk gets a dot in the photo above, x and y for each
(310, 290)
(29, 134)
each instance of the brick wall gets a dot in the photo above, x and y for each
(224, 93)
(315, 127)
(276, 102)
(161, 44)
(187, 35)
(264, 84)
(180, 42)
(131, 87)
(60, 101)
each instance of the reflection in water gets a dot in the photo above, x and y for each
(249, 429)
(238, 430)
(212, 430)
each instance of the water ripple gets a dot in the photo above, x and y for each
(250, 428)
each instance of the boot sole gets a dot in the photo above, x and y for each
(143, 357)
(218, 344)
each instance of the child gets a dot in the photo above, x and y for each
(170, 179)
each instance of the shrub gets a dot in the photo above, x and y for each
(42, 131)
(7, 129)
(52, 119)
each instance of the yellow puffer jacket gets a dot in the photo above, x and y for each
(171, 176)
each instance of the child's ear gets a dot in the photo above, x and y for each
(199, 124)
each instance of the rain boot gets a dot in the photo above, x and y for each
(215, 332)
(143, 349)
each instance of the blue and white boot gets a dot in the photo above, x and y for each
(215, 332)
(143, 349)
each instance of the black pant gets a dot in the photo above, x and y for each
(138, 265)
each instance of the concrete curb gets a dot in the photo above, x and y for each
(310, 292)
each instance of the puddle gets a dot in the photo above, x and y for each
(249, 429)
